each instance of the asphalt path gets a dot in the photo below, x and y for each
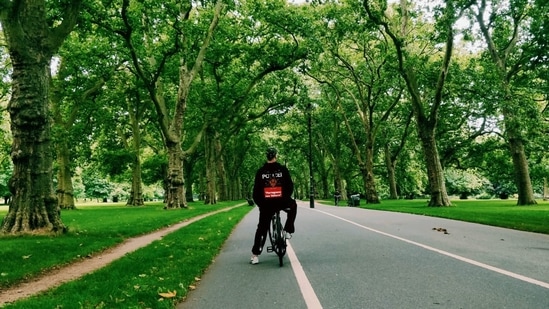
(347, 257)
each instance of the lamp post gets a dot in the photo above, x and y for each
(311, 180)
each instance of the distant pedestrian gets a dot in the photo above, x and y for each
(337, 197)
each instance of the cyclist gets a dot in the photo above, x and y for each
(273, 189)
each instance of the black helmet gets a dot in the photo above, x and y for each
(271, 153)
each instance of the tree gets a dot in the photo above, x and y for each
(32, 42)
(419, 71)
(394, 140)
(358, 67)
(251, 55)
(84, 66)
(190, 56)
(502, 28)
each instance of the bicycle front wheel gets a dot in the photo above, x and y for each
(280, 241)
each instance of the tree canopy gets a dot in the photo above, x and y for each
(177, 100)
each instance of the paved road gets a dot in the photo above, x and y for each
(347, 257)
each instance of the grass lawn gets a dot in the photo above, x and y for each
(157, 276)
(91, 230)
(502, 213)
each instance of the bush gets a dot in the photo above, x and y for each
(484, 196)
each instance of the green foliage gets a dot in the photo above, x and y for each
(464, 182)
(154, 169)
(253, 90)
(5, 175)
(96, 186)
(114, 161)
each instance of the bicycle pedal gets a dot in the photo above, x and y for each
(270, 249)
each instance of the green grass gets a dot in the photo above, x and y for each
(502, 213)
(91, 230)
(135, 281)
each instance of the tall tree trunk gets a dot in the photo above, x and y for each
(135, 115)
(336, 159)
(31, 45)
(136, 193)
(322, 170)
(545, 189)
(435, 173)
(188, 169)
(65, 190)
(175, 194)
(390, 166)
(367, 170)
(221, 174)
(34, 205)
(209, 151)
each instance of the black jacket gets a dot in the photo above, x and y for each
(273, 185)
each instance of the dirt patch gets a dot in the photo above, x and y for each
(78, 269)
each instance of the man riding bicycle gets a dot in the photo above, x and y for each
(273, 189)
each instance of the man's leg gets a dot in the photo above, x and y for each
(265, 216)
(292, 213)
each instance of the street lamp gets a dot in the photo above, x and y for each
(311, 180)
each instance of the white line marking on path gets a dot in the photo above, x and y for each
(457, 257)
(307, 291)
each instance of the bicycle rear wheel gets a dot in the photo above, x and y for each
(272, 232)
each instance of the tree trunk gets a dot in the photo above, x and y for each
(323, 174)
(175, 193)
(545, 189)
(136, 193)
(390, 165)
(221, 174)
(369, 186)
(65, 190)
(520, 162)
(367, 170)
(188, 169)
(435, 174)
(31, 45)
(338, 178)
(34, 205)
(210, 197)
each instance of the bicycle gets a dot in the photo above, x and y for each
(277, 237)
